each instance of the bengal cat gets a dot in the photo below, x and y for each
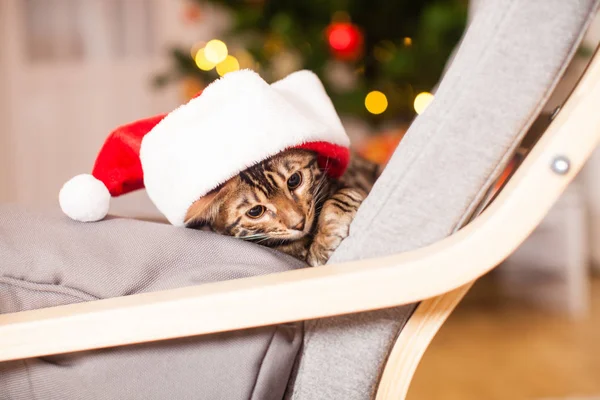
(288, 203)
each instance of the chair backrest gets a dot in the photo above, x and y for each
(509, 61)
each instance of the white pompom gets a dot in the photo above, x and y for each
(84, 198)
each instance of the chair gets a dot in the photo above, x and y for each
(419, 241)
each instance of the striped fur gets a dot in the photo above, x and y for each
(307, 221)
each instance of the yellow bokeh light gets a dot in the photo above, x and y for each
(407, 41)
(202, 62)
(422, 101)
(376, 102)
(216, 51)
(228, 65)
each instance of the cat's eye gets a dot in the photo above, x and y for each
(295, 180)
(256, 212)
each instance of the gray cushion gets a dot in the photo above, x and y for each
(48, 260)
(511, 57)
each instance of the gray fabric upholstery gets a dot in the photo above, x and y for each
(510, 59)
(48, 260)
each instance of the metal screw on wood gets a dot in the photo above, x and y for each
(561, 165)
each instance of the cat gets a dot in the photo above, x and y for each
(289, 203)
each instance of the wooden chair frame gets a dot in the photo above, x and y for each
(438, 275)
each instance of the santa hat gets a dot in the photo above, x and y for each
(237, 121)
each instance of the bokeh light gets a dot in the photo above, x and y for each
(202, 62)
(376, 102)
(216, 51)
(340, 38)
(422, 101)
(407, 41)
(228, 65)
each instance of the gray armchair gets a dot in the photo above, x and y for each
(415, 247)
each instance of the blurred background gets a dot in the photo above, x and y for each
(73, 70)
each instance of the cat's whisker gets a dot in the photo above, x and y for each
(319, 193)
(257, 236)
(320, 196)
(263, 240)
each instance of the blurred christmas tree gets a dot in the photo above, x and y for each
(374, 56)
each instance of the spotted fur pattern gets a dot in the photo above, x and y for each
(288, 203)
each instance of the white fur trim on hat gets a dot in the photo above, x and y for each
(84, 198)
(238, 121)
(304, 90)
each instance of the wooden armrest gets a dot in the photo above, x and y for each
(334, 289)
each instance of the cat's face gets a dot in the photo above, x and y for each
(269, 202)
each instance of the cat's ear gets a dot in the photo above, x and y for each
(205, 209)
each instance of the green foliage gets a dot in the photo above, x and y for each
(399, 69)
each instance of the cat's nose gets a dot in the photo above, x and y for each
(300, 225)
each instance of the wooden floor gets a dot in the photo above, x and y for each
(494, 349)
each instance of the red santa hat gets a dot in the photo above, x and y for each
(237, 121)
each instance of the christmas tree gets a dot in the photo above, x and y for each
(374, 56)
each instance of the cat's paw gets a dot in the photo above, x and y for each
(318, 255)
(324, 245)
